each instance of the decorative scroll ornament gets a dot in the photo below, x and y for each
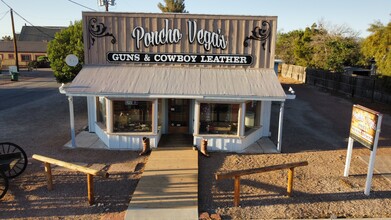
(98, 30)
(260, 34)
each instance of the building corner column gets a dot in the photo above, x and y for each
(280, 124)
(72, 121)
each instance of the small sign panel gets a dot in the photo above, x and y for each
(71, 60)
(363, 125)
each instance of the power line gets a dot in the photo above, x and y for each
(4, 15)
(81, 5)
(27, 20)
(33, 25)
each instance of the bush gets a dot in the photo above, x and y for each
(43, 62)
(32, 65)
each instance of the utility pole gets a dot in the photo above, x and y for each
(15, 45)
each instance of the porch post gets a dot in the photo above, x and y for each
(280, 122)
(155, 116)
(242, 113)
(109, 116)
(196, 117)
(72, 121)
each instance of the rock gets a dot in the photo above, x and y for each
(204, 216)
(215, 216)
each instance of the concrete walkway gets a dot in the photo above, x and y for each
(168, 188)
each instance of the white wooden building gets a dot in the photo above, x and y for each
(148, 75)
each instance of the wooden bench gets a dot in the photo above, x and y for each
(237, 174)
(90, 173)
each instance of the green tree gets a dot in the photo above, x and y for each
(6, 38)
(378, 45)
(68, 41)
(319, 48)
(285, 47)
(343, 51)
(177, 6)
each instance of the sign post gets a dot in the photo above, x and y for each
(364, 128)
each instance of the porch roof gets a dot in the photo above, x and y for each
(176, 82)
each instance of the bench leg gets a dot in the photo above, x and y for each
(290, 181)
(48, 171)
(90, 189)
(237, 191)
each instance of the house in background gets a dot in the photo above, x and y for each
(31, 42)
(27, 51)
(42, 34)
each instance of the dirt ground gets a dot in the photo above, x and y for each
(316, 127)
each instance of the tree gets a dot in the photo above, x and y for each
(319, 48)
(285, 47)
(68, 41)
(6, 38)
(378, 45)
(177, 6)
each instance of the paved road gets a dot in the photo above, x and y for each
(34, 113)
(31, 87)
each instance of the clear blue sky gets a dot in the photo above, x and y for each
(292, 15)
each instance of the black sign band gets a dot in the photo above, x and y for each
(178, 58)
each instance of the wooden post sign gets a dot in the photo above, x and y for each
(364, 128)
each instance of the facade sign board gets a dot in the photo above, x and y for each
(363, 125)
(217, 59)
(179, 39)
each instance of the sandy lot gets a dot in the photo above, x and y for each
(316, 127)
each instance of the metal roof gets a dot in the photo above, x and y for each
(176, 82)
(38, 33)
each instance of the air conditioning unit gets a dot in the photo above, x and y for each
(103, 2)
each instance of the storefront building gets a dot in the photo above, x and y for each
(210, 76)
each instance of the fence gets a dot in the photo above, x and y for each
(294, 72)
(372, 88)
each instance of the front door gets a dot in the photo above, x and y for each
(178, 116)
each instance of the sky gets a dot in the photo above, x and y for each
(292, 15)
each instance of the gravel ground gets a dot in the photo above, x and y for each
(40, 125)
(316, 126)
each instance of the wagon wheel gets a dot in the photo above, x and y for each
(3, 184)
(18, 166)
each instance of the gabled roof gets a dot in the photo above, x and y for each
(38, 33)
(176, 82)
(24, 46)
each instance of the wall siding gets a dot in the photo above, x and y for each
(234, 28)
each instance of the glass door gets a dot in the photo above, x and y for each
(178, 116)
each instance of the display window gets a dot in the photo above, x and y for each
(218, 118)
(132, 116)
(101, 109)
(251, 115)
